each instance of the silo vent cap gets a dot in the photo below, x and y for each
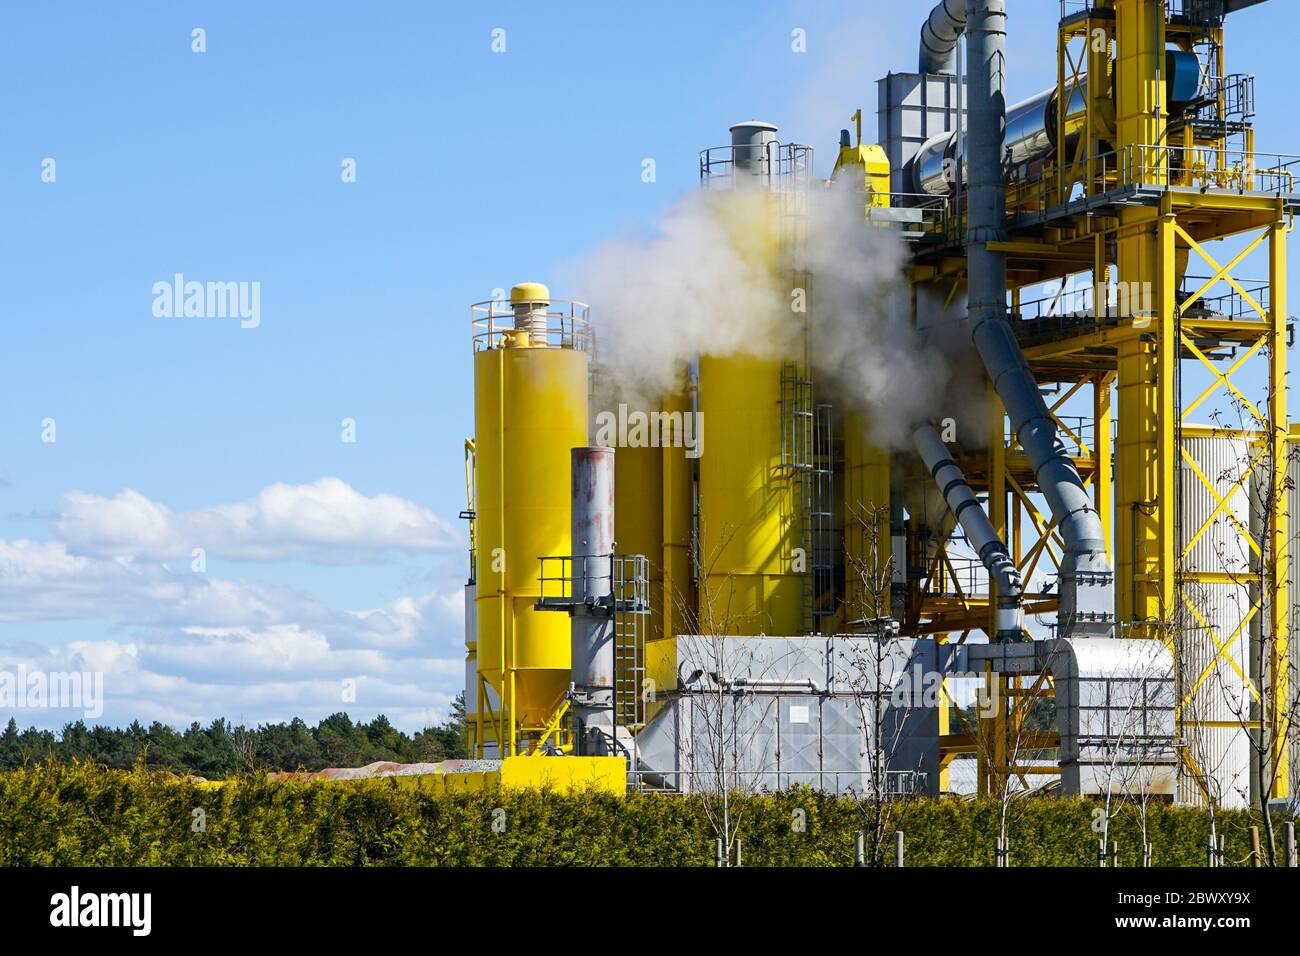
(529, 292)
(754, 124)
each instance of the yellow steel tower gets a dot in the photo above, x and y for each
(1151, 160)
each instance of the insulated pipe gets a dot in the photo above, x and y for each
(593, 593)
(939, 36)
(1084, 562)
(979, 530)
(1030, 134)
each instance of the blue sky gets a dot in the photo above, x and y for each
(330, 560)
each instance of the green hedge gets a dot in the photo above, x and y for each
(80, 815)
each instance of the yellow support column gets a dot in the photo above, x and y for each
(1145, 376)
(1101, 450)
(1169, 455)
(1278, 571)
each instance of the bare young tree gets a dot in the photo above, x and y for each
(1137, 763)
(243, 747)
(878, 682)
(1008, 732)
(732, 709)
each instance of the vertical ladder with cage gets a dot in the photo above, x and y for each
(631, 610)
(807, 460)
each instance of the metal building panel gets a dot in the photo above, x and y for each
(1213, 676)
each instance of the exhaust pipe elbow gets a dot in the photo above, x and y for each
(939, 36)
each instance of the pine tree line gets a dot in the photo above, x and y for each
(222, 749)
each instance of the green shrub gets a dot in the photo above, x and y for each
(82, 815)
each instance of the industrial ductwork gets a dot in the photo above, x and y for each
(1030, 129)
(979, 530)
(1087, 582)
(939, 36)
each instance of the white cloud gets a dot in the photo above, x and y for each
(248, 676)
(40, 580)
(195, 646)
(325, 521)
(407, 621)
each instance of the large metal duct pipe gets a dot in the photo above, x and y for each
(979, 531)
(592, 694)
(1030, 130)
(939, 36)
(1087, 581)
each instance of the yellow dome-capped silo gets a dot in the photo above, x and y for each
(530, 410)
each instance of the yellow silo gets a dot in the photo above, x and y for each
(653, 505)
(749, 510)
(530, 409)
(749, 523)
(638, 518)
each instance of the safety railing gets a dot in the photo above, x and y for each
(1202, 12)
(1076, 432)
(1207, 168)
(1070, 8)
(1227, 305)
(1227, 99)
(774, 166)
(917, 214)
(622, 581)
(567, 325)
(1204, 168)
(960, 575)
(1079, 300)
(1206, 11)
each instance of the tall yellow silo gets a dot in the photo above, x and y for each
(749, 522)
(749, 508)
(530, 410)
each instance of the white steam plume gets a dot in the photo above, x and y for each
(691, 290)
(703, 286)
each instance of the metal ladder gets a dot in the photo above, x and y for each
(631, 610)
(808, 462)
(820, 531)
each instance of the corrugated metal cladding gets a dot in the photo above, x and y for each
(1218, 691)
(807, 715)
